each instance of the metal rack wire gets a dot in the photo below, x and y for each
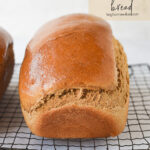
(15, 134)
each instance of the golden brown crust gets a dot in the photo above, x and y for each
(6, 60)
(62, 111)
(72, 51)
(82, 120)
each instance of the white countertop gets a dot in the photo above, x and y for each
(137, 51)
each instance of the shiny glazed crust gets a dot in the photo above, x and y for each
(6, 60)
(63, 109)
(72, 51)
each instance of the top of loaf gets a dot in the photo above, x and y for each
(71, 51)
(5, 41)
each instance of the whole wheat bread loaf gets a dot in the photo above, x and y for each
(74, 80)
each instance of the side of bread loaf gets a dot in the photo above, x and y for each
(6, 60)
(95, 101)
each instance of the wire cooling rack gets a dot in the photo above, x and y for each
(15, 134)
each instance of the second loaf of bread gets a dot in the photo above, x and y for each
(74, 80)
(6, 60)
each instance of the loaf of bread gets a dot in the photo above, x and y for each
(74, 80)
(6, 60)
